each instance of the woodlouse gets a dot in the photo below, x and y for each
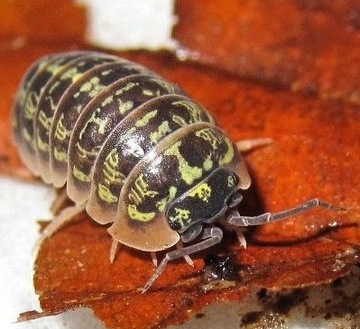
(134, 151)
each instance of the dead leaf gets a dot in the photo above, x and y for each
(302, 163)
(38, 21)
(316, 144)
(306, 46)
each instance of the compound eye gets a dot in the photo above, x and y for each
(235, 178)
(175, 226)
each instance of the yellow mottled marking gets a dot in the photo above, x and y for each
(53, 105)
(105, 194)
(31, 105)
(76, 77)
(188, 174)
(43, 64)
(140, 191)
(44, 120)
(92, 87)
(27, 137)
(42, 145)
(162, 131)
(53, 87)
(61, 133)
(208, 163)
(105, 73)
(84, 153)
(169, 87)
(179, 120)
(21, 95)
(128, 87)
(126, 135)
(194, 110)
(182, 217)
(81, 176)
(125, 106)
(60, 155)
(142, 122)
(135, 214)
(202, 192)
(54, 68)
(148, 92)
(111, 169)
(161, 205)
(229, 155)
(107, 100)
(134, 197)
(72, 74)
(210, 136)
(101, 123)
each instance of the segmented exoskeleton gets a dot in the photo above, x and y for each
(134, 151)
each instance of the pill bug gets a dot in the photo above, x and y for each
(135, 152)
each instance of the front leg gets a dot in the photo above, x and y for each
(210, 237)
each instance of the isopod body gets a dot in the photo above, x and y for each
(133, 150)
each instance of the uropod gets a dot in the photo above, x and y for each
(135, 152)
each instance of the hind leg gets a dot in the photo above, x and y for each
(65, 216)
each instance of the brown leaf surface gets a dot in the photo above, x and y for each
(308, 46)
(41, 21)
(314, 154)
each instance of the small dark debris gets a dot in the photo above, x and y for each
(200, 315)
(251, 317)
(327, 316)
(281, 302)
(262, 295)
(285, 303)
(337, 283)
(220, 268)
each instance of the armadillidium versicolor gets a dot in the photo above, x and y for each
(134, 151)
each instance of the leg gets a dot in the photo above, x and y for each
(154, 259)
(240, 235)
(113, 250)
(60, 201)
(187, 258)
(115, 243)
(236, 219)
(66, 215)
(246, 145)
(210, 237)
